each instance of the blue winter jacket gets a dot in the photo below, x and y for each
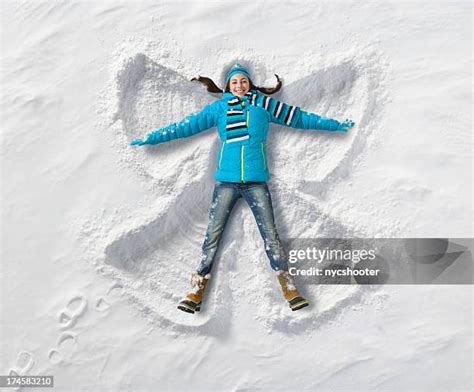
(242, 126)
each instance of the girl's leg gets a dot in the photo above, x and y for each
(223, 200)
(258, 198)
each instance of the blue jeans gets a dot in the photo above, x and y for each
(257, 196)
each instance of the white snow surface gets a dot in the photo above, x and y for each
(99, 239)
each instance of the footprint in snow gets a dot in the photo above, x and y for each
(74, 309)
(103, 303)
(66, 344)
(23, 364)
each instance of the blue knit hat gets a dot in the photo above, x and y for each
(236, 69)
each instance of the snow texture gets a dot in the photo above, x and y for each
(99, 239)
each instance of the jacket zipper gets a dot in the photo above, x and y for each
(242, 148)
(264, 160)
(242, 163)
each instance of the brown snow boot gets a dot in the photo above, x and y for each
(192, 302)
(291, 294)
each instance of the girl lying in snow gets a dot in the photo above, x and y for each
(242, 118)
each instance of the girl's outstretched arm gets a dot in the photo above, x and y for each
(292, 116)
(189, 126)
(315, 121)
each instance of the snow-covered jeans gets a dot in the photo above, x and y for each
(257, 196)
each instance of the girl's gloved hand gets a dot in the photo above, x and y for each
(137, 142)
(345, 125)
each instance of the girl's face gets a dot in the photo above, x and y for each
(239, 85)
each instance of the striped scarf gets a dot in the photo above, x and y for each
(238, 118)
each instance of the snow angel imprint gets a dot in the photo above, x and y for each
(242, 117)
